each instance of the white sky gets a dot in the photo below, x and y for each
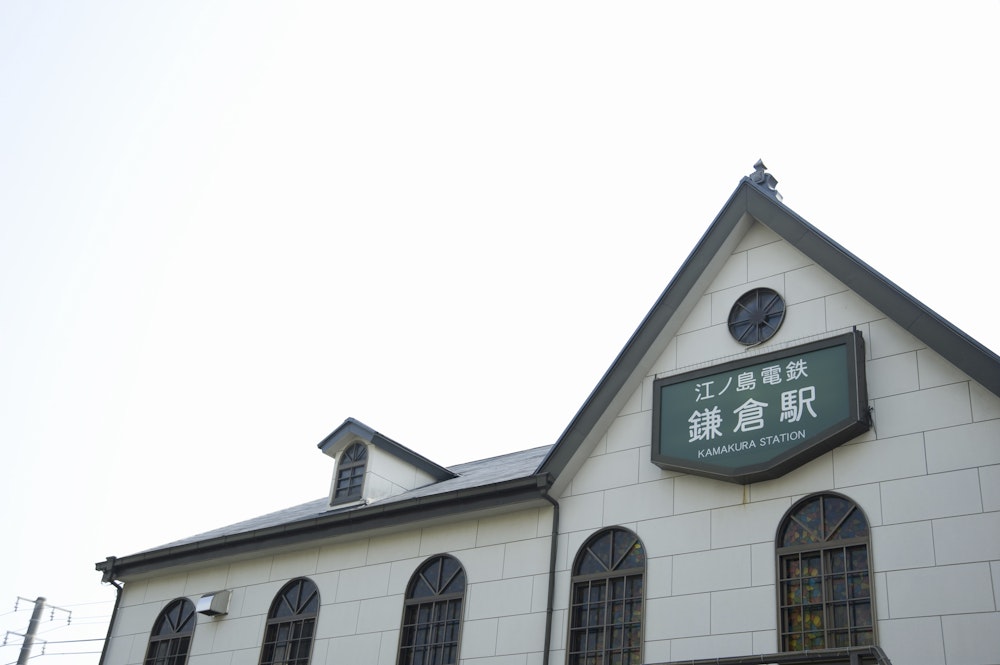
(226, 227)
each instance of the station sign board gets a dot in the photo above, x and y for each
(758, 418)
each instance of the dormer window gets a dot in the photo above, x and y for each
(350, 473)
(371, 467)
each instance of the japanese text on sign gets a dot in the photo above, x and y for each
(707, 424)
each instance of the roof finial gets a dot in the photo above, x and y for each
(767, 182)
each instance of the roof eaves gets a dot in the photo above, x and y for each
(922, 322)
(648, 331)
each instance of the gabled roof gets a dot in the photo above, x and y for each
(755, 198)
(352, 428)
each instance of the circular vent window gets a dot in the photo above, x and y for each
(756, 316)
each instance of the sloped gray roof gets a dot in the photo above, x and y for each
(486, 483)
(475, 474)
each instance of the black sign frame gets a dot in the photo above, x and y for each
(855, 421)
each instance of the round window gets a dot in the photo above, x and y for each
(756, 316)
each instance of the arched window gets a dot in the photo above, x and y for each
(432, 613)
(350, 473)
(606, 600)
(170, 640)
(291, 623)
(824, 578)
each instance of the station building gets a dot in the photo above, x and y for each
(791, 461)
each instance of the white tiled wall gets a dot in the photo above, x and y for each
(362, 586)
(927, 477)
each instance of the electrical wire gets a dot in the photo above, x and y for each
(68, 653)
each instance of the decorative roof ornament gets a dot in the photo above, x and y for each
(767, 182)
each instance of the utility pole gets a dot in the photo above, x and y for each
(29, 636)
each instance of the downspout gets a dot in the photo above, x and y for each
(552, 578)
(109, 577)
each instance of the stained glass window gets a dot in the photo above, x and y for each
(170, 639)
(432, 613)
(824, 585)
(350, 473)
(607, 600)
(291, 623)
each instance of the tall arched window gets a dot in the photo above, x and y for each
(606, 601)
(824, 578)
(432, 613)
(350, 473)
(291, 623)
(170, 640)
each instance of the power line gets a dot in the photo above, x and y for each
(52, 608)
(89, 639)
(29, 634)
(11, 643)
(67, 653)
(52, 629)
(78, 620)
(94, 602)
(40, 608)
(8, 643)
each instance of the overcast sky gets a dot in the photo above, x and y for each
(227, 227)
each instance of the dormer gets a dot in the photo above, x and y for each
(370, 466)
